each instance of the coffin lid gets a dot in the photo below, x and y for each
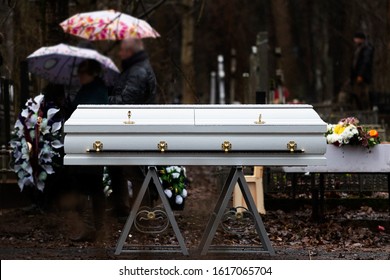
(195, 119)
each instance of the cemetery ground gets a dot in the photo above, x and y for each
(348, 232)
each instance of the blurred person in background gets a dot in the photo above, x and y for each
(136, 85)
(88, 180)
(361, 71)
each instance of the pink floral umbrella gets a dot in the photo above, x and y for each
(108, 25)
(59, 63)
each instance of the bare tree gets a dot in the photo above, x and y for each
(55, 12)
(187, 53)
(289, 61)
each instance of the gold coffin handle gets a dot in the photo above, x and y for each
(291, 146)
(226, 146)
(162, 146)
(97, 147)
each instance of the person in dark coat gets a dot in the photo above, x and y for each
(136, 85)
(93, 89)
(361, 71)
(88, 180)
(137, 82)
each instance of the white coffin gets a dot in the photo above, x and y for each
(194, 135)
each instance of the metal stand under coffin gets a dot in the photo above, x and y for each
(236, 175)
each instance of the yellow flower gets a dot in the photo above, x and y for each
(338, 129)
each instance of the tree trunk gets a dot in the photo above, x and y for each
(288, 61)
(187, 54)
(55, 12)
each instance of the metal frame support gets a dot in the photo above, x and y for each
(151, 175)
(236, 175)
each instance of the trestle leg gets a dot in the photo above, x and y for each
(151, 175)
(236, 175)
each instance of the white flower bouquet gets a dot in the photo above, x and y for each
(174, 181)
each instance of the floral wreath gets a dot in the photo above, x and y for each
(174, 181)
(348, 132)
(36, 140)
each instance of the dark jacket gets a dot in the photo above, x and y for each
(137, 82)
(93, 93)
(362, 63)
